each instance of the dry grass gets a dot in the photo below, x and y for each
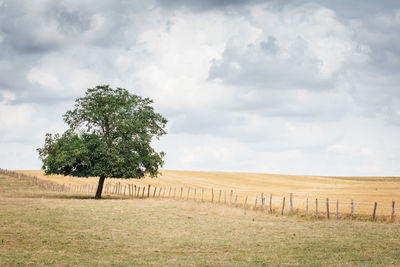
(38, 227)
(363, 190)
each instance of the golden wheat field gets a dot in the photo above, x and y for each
(364, 191)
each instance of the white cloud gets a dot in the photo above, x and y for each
(13, 116)
(45, 78)
(6, 96)
(306, 43)
(179, 59)
(16, 124)
(63, 75)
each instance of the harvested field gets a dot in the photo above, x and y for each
(43, 228)
(364, 191)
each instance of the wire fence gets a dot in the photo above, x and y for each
(317, 208)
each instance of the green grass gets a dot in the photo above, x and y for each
(61, 229)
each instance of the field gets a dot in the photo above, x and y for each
(40, 227)
(364, 191)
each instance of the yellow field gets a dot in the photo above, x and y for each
(40, 227)
(363, 190)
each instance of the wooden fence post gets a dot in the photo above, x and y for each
(187, 196)
(307, 207)
(245, 203)
(255, 203)
(194, 195)
(230, 198)
(155, 190)
(337, 209)
(163, 194)
(159, 193)
(327, 208)
(374, 212)
(262, 202)
(234, 205)
(129, 190)
(202, 195)
(148, 191)
(169, 192)
(283, 205)
(144, 188)
(270, 203)
(291, 204)
(180, 198)
(212, 195)
(316, 208)
(392, 216)
(352, 210)
(219, 197)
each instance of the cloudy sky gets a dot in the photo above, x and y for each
(295, 87)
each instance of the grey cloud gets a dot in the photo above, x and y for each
(263, 118)
(70, 22)
(63, 36)
(21, 27)
(381, 34)
(270, 45)
(258, 72)
(380, 77)
(200, 122)
(356, 8)
(259, 66)
(56, 25)
(205, 5)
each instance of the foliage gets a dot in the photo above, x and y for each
(110, 133)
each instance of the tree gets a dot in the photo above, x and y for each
(110, 133)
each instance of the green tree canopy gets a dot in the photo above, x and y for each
(110, 133)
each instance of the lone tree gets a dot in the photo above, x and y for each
(109, 135)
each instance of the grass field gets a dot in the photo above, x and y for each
(363, 190)
(39, 227)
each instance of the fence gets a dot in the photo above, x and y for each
(309, 208)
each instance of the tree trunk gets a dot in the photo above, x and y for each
(100, 187)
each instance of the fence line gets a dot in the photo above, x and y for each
(136, 191)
